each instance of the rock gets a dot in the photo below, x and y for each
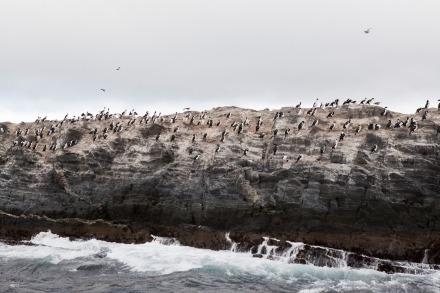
(130, 186)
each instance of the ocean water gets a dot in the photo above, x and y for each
(57, 264)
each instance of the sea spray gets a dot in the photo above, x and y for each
(178, 268)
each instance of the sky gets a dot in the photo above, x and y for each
(56, 56)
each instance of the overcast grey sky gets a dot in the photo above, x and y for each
(57, 55)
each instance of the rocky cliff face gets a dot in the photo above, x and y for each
(132, 184)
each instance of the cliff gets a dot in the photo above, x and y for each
(132, 184)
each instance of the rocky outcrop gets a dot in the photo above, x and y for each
(126, 187)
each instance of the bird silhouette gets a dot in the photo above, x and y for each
(118, 68)
(103, 90)
(368, 30)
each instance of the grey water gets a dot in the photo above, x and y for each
(49, 263)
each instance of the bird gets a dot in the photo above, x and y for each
(374, 149)
(299, 158)
(332, 126)
(185, 109)
(341, 137)
(118, 68)
(427, 104)
(103, 90)
(368, 30)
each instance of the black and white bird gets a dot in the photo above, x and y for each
(374, 149)
(341, 137)
(332, 126)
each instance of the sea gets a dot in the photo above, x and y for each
(50, 263)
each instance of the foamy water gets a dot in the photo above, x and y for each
(112, 267)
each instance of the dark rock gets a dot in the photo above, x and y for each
(130, 186)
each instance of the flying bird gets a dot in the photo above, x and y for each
(103, 90)
(118, 68)
(184, 109)
(368, 30)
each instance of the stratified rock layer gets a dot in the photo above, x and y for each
(128, 186)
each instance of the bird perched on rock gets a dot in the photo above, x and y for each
(341, 137)
(389, 124)
(332, 126)
(374, 149)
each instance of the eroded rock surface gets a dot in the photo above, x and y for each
(131, 185)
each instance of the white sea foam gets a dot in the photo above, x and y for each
(155, 258)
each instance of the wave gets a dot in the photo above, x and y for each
(165, 256)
